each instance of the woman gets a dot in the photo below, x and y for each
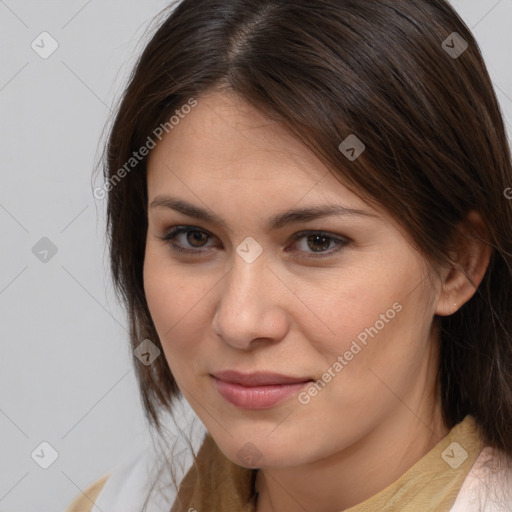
(309, 229)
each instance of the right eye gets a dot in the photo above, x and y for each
(194, 237)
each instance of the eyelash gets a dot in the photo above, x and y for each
(172, 233)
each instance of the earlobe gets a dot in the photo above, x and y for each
(469, 265)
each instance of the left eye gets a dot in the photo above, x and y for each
(318, 241)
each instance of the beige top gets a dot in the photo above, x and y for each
(432, 484)
(85, 500)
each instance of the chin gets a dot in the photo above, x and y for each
(263, 451)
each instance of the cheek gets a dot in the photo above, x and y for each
(176, 302)
(368, 315)
(341, 308)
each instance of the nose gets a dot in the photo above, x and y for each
(251, 305)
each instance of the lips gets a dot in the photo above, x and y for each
(258, 378)
(257, 390)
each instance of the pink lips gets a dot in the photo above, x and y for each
(257, 390)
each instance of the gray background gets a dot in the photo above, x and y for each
(66, 375)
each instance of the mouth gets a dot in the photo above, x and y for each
(261, 390)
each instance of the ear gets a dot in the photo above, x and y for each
(470, 260)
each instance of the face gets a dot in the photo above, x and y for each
(341, 303)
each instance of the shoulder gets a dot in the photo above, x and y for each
(488, 485)
(84, 501)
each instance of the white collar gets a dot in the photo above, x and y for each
(488, 485)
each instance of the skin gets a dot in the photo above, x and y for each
(290, 313)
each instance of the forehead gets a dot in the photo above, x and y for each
(223, 136)
(225, 147)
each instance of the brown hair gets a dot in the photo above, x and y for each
(436, 148)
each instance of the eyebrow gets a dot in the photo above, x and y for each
(275, 222)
